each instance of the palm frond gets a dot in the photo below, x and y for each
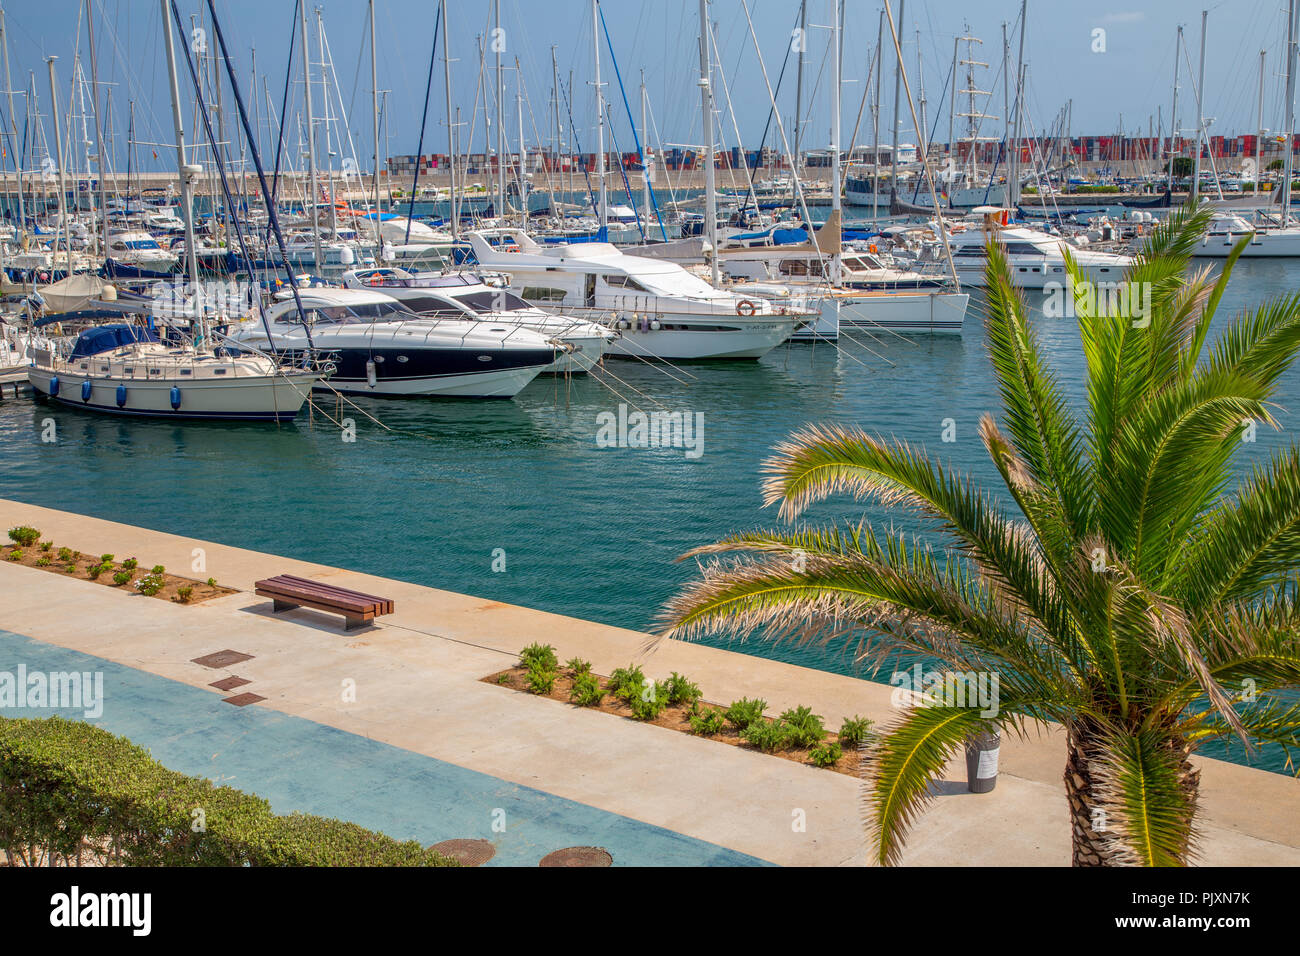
(1143, 791)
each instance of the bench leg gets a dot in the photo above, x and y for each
(352, 622)
(278, 605)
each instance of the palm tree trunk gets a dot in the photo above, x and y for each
(1088, 848)
(1087, 824)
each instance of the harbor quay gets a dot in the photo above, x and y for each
(392, 726)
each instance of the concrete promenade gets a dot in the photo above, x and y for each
(418, 693)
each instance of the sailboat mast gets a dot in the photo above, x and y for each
(13, 129)
(875, 121)
(451, 130)
(706, 104)
(835, 136)
(645, 155)
(898, 78)
(311, 136)
(523, 150)
(798, 88)
(498, 43)
(187, 210)
(1020, 107)
(1259, 126)
(374, 116)
(99, 128)
(58, 149)
(1200, 112)
(1290, 108)
(600, 118)
(1173, 113)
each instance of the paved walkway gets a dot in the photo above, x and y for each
(417, 690)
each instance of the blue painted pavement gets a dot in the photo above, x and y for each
(298, 764)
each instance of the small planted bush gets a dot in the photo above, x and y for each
(121, 577)
(586, 690)
(826, 754)
(539, 655)
(626, 681)
(70, 567)
(130, 564)
(43, 562)
(856, 730)
(212, 582)
(16, 554)
(46, 545)
(576, 666)
(185, 594)
(65, 554)
(651, 701)
(744, 712)
(805, 727)
(768, 736)
(105, 559)
(541, 680)
(158, 569)
(23, 536)
(708, 721)
(150, 584)
(682, 691)
(95, 570)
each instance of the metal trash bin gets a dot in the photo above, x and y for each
(982, 761)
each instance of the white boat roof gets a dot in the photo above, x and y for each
(326, 295)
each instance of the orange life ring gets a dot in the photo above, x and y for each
(872, 248)
(376, 280)
(746, 308)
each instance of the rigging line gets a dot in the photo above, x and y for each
(424, 118)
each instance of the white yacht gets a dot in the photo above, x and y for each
(136, 251)
(663, 311)
(380, 347)
(124, 369)
(1035, 257)
(462, 295)
(1267, 240)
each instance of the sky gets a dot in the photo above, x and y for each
(1113, 62)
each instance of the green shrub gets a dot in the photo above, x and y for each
(539, 655)
(65, 554)
(158, 569)
(150, 584)
(626, 681)
(768, 736)
(541, 680)
(130, 564)
(121, 577)
(212, 582)
(95, 570)
(69, 790)
(46, 545)
(70, 567)
(682, 691)
(805, 727)
(105, 559)
(43, 562)
(185, 593)
(708, 722)
(744, 712)
(15, 555)
(856, 730)
(576, 666)
(586, 690)
(826, 754)
(23, 536)
(650, 702)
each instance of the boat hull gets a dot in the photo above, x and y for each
(905, 313)
(277, 399)
(753, 340)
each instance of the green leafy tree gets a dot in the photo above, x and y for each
(1126, 591)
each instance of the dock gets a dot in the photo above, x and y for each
(392, 727)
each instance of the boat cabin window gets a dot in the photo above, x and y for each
(537, 293)
(625, 282)
(1024, 249)
(498, 300)
(801, 267)
(433, 307)
(352, 314)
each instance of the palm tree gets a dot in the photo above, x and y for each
(1127, 596)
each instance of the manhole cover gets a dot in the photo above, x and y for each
(229, 683)
(243, 700)
(467, 852)
(222, 659)
(578, 856)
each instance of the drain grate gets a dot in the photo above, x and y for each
(229, 683)
(578, 856)
(467, 852)
(222, 659)
(243, 700)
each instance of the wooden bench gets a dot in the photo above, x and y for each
(289, 591)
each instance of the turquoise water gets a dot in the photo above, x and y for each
(587, 531)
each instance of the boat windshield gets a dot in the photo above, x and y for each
(355, 313)
(495, 300)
